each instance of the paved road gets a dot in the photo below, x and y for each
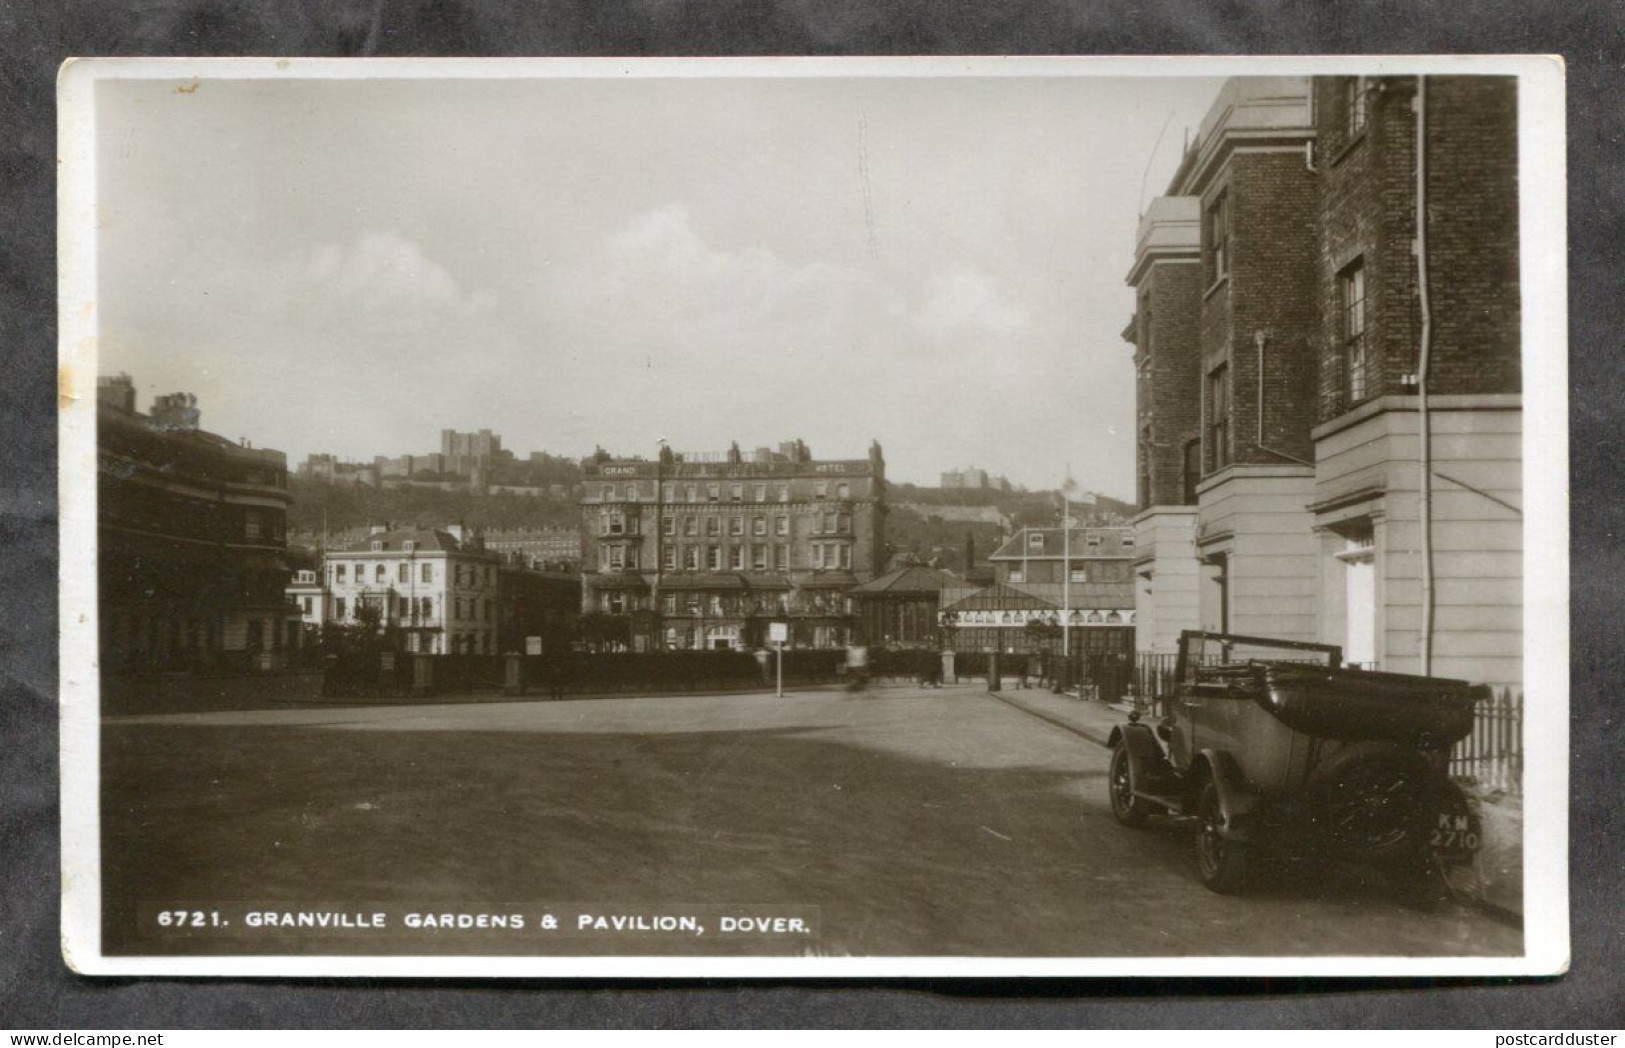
(911, 821)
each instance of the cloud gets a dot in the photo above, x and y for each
(379, 271)
(968, 300)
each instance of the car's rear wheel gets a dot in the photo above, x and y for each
(1127, 809)
(1374, 801)
(1225, 865)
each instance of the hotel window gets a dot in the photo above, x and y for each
(843, 523)
(427, 573)
(632, 558)
(691, 525)
(338, 573)
(736, 525)
(671, 493)
(668, 558)
(616, 602)
(609, 493)
(758, 558)
(843, 491)
(713, 492)
(713, 526)
(846, 556)
(818, 554)
(377, 544)
(693, 493)
(758, 526)
(668, 603)
(713, 558)
(821, 490)
(691, 603)
(1351, 310)
(1035, 541)
(1079, 575)
(691, 558)
(761, 493)
(617, 524)
(784, 493)
(1218, 416)
(829, 523)
(1016, 575)
(1218, 233)
(736, 558)
(716, 604)
(737, 492)
(409, 546)
(1355, 89)
(781, 525)
(668, 525)
(403, 572)
(380, 572)
(781, 557)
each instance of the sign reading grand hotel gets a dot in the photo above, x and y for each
(1019, 541)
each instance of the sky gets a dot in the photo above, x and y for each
(350, 266)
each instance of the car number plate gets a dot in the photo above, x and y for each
(1457, 832)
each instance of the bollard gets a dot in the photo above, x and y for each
(948, 668)
(993, 681)
(513, 678)
(422, 674)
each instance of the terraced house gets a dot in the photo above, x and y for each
(1326, 336)
(701, 550)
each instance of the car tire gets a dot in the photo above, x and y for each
(1224, 865)
(1127, 809)
(1374, 800)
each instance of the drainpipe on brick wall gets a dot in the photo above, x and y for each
(1260, 340)
(1424, 502)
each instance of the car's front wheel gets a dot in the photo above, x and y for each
(1127, 809)
(1225, 865)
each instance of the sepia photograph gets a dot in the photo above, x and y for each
(814, 517)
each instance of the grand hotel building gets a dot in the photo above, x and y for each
(702, 550)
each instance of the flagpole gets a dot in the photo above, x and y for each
(1066, 576)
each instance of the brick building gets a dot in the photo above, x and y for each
(191, 543)
(1278, 336)
(553, 549)
(702, 550)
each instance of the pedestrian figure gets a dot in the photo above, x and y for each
(857, 667)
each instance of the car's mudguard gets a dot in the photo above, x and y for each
(1238, 801)
(1144, 751)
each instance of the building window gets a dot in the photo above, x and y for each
(668, 525)
(758, 526)
(713, 492)
(1354, 106)
(380, 572)
(307, 606)
(338, 572)
(403, 572)
(784, 493)
(609, 493)
(668, 603)
(1191, 471)
(761, 493)
(829, 523)
(691, 525)
(617, 524)
(1218, 416)
(737, 492)
(1351, 311)
(1035, 541)
(713, 558)
(1079, 575)
(781, 557)
(691, 603)
(713, 526)
(736, 558)
(1218, 232)
(843, 523)
(691, 558)
(617, 558)
(668, 558)
(693, 493)
(1017, 576)
(1092, 540)
(843, 491)
(821, 490)
(781, 526)
(427, 573)
(846, 556)
(617, 602)
(758, 557)
(736, 525)
(338, 607)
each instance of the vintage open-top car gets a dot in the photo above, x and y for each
(1274, 748)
